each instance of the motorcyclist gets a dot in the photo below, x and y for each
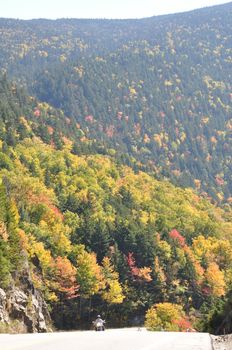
(100, 321)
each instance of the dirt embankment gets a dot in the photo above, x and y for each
(222, 342)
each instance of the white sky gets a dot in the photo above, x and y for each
(27, 9)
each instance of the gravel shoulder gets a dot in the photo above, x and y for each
(222, 342)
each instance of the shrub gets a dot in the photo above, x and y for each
(166, 316)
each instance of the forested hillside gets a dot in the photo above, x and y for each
(156, 91)
(98, 236)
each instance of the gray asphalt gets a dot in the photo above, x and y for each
(120, 339)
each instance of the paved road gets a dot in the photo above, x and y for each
(124, 339)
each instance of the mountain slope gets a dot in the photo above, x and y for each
(98, 236)
(157, 89)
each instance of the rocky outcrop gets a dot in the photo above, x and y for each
(24, 305)
(222, 342)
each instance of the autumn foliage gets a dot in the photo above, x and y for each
(98, 236)
(167, 317)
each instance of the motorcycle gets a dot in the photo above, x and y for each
(99, 325)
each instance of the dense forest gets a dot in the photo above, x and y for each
(102, 237)
(115, 168)
(156, 91)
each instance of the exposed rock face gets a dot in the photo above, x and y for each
(25, 305)
(3, 313)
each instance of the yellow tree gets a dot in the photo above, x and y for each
(55, 232)
(113, 293)
(89, 273)
(166, 316)
(214, 279)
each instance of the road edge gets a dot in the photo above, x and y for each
(212, 341)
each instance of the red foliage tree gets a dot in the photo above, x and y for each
(176, 236)
(183, 324)
(142, 274)
(132, 265)
(66, 277)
